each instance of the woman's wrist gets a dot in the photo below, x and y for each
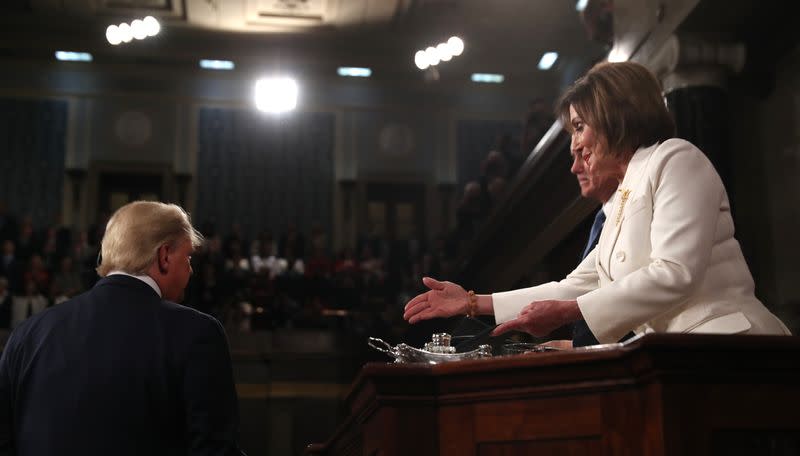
(485, 304)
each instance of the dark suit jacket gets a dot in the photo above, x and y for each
(118, 371)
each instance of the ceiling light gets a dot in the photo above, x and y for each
(488, 77)
(73, 56)
(276, 94)
(581, 5)
(138, 29)
(456, 45)
(112, 35)
(547, 60)
(421, 60)
(217, 64)
(432, 56)
(125, 32)
(152, 27)
(443, 51)
(354, 72)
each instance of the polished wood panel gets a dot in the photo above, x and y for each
(573, 447)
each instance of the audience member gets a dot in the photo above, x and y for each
(26, 241)
(27, 304)
(38, 272)
(10, 266)
(66, 282)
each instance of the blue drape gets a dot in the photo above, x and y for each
(32, 148)
(264, 172)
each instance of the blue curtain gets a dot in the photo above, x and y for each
(474, 140)
(32, 148)
(263, 172)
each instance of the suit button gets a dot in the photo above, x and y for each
(620, 256)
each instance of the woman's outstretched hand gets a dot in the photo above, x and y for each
(444, 299)
(540, 318)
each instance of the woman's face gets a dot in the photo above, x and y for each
(597, 171)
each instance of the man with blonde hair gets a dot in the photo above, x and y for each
(122, 369)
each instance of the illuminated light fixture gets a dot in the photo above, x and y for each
(276, 94)
(432, 55)
(581, 5)
(443, 51)
(421, 60)
(354, 72)
(125, 32)
(151, 26)
(113, 35)
(488, 78)
(547, 60)
(456, 46)
(217, 64)
(139, 29)
(69, 56)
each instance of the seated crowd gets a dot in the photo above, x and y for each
(291, 282)
(265, 283)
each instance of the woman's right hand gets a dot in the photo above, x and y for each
(444, 299)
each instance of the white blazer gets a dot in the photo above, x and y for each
(666, 260)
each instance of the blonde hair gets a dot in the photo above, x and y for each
(623, 103)
(136, 231)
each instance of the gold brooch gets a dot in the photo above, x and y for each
(623, 199)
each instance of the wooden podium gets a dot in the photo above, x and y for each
(662, 394)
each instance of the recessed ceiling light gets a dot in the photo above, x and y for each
(488, 77)
(354, 72)
(547, 60)
(70, 56)
(581, 5)
(217, 64)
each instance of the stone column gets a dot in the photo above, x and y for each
(694, 74)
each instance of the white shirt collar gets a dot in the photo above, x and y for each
(144, 278)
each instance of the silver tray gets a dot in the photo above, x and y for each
(403, 353)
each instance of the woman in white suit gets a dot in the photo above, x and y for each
(666, 260)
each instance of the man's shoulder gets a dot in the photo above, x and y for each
(189, 317)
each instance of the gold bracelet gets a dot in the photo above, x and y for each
(472, 304)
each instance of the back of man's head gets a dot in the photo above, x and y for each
(136, 231)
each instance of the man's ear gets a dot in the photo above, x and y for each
(163, 258)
